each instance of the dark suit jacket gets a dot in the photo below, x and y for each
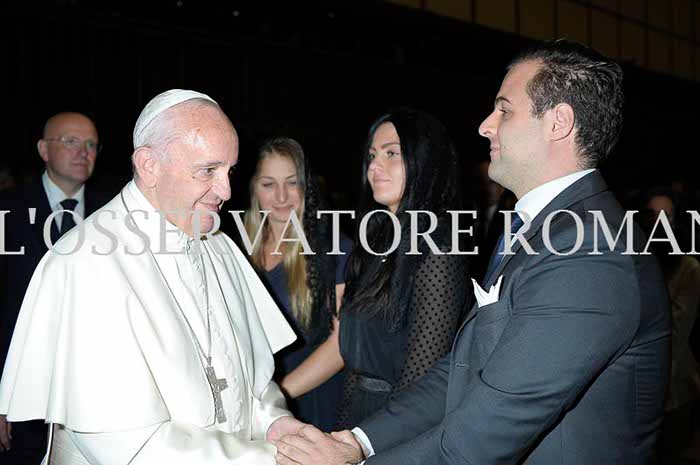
(569, 367)
(16, 270)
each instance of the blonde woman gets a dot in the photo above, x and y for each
(308, 288)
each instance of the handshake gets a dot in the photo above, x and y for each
(302, 444)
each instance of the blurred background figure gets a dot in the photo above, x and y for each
(682, 276)
(687, 197)
(401, 312)
(307, 288)
(69, 148)
(7, 179)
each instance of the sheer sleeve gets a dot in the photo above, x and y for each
(342, 260)
(343, 420)
(437, 308)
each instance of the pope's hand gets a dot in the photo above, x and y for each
(5, 433)
(281, 427)
(313, 447)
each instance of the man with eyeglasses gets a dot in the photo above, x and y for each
(68, 147)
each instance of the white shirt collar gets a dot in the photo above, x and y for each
(176, 241)
(538, 198)
(56, 195)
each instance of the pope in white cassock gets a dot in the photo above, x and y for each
(139, 340)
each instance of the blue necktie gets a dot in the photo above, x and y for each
(498, 256)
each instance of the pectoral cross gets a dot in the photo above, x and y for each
(217, 385)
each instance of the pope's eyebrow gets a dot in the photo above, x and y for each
(208, 164)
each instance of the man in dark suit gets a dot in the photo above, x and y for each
(569, 362)
(68, 147)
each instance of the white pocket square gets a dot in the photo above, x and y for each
(490, 297)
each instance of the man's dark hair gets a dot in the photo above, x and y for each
(579, 76)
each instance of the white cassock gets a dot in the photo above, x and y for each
(102, 350)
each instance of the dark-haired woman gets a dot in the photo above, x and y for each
(401, 310)
(308, 288)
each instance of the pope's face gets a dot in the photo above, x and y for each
(192, 179)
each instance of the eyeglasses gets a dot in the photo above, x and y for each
(74, 144)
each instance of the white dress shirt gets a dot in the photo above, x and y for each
(56, 196)
(538, 198)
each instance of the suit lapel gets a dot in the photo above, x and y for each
(587, 186)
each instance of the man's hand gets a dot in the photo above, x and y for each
(281, 427)
(348, 438)
(313, 447)
(5, 433)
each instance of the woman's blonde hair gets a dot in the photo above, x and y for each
(300, 295)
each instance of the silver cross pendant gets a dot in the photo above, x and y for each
(217, 385)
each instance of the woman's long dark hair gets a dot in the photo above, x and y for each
(321, 267)
(432, 184)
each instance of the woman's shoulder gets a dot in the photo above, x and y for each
(346, 244)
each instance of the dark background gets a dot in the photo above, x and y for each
(319, 73)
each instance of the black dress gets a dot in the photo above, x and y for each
(317, 407)
(380, 362)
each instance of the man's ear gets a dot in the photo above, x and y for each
(562, 121)
(43, 148)
(145, 163)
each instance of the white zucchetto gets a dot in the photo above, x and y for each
(158, 105)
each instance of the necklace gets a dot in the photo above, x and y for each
(217, 385)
